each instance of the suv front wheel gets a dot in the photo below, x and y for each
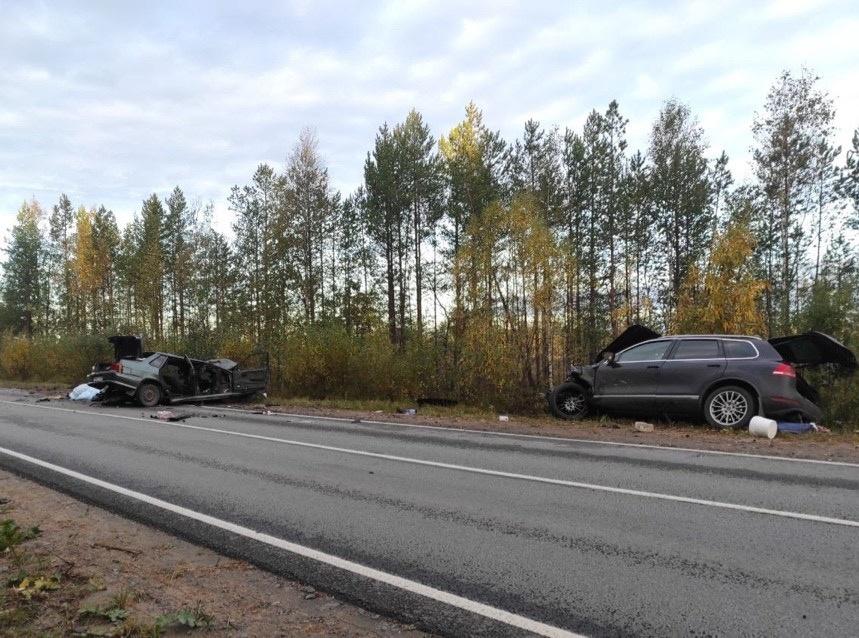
(729, 407)
(569, 401)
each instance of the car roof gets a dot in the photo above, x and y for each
(705, 336)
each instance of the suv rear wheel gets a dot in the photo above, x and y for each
(569, 401)
(149, 395)
(730, 406)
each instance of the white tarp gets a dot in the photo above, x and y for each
(84, 392)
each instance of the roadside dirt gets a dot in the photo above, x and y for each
(137, 581)
(835, 446)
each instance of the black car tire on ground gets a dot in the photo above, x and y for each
(569, 401)
(729, 406)
(149, 395)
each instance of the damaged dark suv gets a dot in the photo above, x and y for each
(727, 379)
(151, 378)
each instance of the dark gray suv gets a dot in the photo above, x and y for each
(727, 379)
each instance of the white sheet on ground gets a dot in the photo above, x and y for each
(84, 392)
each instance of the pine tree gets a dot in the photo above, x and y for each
(680, 193)
(24, 275)
(421, 184)
(61, 230)
(848, 185)
(796, 117)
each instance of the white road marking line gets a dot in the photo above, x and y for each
(411, 586)
(482, 471)
(541, 437)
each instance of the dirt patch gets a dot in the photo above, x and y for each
(88, 572)
(834, 446)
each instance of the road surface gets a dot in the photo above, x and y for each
(470, 533)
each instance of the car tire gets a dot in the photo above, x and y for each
(569, 401)
(729, 407)
(149, 395)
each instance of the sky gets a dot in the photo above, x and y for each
(111, 101)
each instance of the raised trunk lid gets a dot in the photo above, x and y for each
(812, 349)
(126, 346)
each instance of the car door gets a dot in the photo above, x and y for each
(631, 380)
(691, 366)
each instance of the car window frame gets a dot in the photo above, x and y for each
(748, 341)
(156, 358)
(719, 347)
(638, 345)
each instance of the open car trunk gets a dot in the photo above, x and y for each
(636, 333)
(126, 347)
(814, 349)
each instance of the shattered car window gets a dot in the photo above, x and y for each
(158, 361)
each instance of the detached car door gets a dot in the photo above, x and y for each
(692, 365)
(631, 380)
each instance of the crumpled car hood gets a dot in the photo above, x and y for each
(636, 333)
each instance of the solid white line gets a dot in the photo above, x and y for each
(482, 471)
(405, 584)
(543, 437)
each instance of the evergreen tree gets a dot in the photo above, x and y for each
(797, 116)
(420, 178)
(24, 275)
(680, 193)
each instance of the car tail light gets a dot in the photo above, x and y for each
(785, 370)
(116, 367)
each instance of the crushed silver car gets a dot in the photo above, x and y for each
(152, 378)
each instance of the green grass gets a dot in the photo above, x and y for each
(18, 384)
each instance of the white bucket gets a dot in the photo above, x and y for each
(761, 426)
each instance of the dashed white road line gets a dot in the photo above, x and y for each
(405, 584)
(540, 437)
(475, 470)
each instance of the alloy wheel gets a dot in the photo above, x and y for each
(728, 408)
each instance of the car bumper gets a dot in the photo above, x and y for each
(776, 407)
(110, 379)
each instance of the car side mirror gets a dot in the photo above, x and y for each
(609, 359)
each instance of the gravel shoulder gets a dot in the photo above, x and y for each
(103, 575)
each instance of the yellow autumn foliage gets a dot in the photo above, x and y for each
(723, 297)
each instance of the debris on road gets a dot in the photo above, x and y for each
(643, 426)
(407, 411)
(169, 415)
(503, 417)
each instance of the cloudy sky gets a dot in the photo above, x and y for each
(110, 101)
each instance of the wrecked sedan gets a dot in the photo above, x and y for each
(152, 378)
(724, 378)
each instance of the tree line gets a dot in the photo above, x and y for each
(486, 265)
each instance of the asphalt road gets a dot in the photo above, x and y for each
(476, 534)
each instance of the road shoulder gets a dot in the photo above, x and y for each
(105, 575)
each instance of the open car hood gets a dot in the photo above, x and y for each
(636, 333)
(126, 346)
(812, 349)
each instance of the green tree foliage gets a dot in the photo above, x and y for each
(24, 272)
(468, 268)
(791, 153)
(680, 193)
